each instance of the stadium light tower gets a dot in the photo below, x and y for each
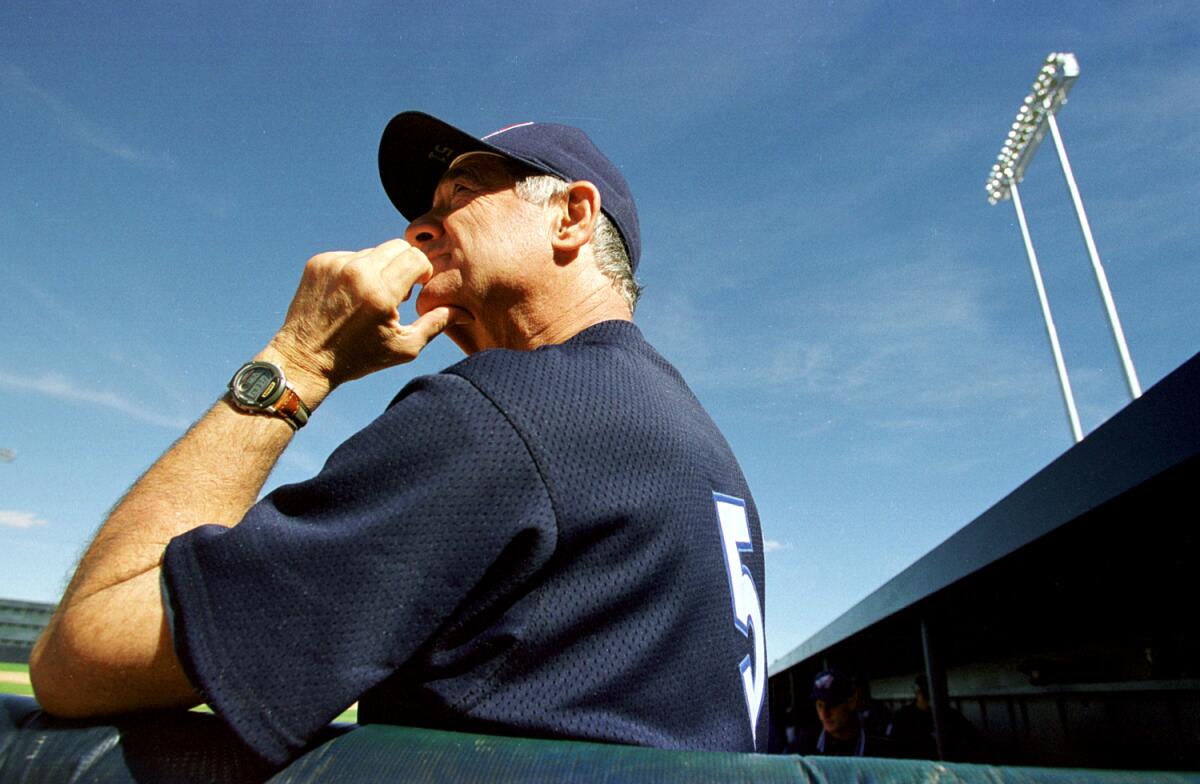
(1034, 119)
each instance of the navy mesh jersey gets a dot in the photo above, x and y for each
(552, 543)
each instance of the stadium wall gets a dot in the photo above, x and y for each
(20, 624)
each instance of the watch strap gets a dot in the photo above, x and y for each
(291, 409)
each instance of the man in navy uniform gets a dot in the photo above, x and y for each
(550, 538)
(843, 732)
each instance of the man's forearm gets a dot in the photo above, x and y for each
(107, 649)
(211, 475)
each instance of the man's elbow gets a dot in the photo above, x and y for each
(76, 673)
(51, 680)
(68, 678)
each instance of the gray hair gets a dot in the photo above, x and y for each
(611, 257)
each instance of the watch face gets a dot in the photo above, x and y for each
(257, 385)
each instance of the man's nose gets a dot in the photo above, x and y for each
(423, 230)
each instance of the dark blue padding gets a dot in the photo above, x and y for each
(178, 746)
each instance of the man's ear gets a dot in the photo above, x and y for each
(575, 222)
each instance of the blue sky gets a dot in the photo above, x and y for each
(820, 259)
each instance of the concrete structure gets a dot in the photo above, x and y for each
(1062, 621)
(20, 624)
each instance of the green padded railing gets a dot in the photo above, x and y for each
(183, 747)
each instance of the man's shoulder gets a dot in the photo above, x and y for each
(433, 390)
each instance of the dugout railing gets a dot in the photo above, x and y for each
(187, 746)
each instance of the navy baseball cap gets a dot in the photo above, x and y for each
(832, 686)
(416, 150)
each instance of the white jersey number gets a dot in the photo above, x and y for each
(747, 609)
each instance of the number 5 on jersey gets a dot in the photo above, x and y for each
(747, 609)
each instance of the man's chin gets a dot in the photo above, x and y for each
(463, 338)
(458, 314)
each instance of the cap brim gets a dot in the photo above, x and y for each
(414, 153)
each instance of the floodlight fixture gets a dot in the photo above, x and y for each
(1046, 96)
(1034, 118)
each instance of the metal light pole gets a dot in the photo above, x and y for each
(1051, 332)
(1135, 388)
(1034, 118)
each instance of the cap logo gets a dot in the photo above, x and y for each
(505, 129)
(441, 153)
(824, 682)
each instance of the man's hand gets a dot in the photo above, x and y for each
(343, 323)
(108, 649)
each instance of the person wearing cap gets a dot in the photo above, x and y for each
(843, 733)
(549, 538)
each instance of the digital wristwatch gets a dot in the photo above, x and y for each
(261, 388)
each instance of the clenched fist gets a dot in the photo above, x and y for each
(343, 323)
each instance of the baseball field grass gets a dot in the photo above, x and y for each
(14, 679)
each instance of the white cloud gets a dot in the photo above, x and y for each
(771, 545)
(11, 518)
(59, 387)
(14, 79)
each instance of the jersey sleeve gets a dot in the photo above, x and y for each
(328, 586)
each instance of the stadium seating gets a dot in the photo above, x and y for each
(183, 747)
